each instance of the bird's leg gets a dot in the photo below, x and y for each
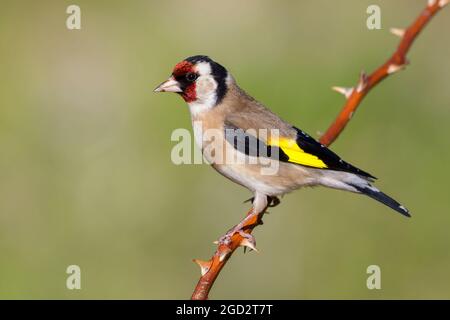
(273, 201)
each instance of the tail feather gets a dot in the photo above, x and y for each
(376, 194)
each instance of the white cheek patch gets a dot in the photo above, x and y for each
(205, 90)
(205, 86)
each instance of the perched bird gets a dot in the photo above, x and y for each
(217, 103)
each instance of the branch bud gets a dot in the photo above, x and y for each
(398, 32)
(362, 82)
(394, 68)
(347, 92)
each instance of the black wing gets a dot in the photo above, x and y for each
(331, 159)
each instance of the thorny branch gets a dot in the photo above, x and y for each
(395, 63)
(210, 269)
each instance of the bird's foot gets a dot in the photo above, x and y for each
(248, 240)
(273, 201)
(226, 239)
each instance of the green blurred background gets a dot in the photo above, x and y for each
(85, 170)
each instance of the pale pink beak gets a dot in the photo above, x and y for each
(170, 85)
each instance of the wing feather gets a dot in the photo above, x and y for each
(297, 148)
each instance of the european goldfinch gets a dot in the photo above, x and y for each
(217, 103)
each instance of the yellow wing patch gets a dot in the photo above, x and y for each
(296, 154)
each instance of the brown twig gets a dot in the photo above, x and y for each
(395, 63)
(211, 269)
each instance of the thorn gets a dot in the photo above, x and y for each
(347, 92)
(204, 265)
(216, 242)
(247, 243)
(431, 3)
(350, 115)
(394, 68)
(362, 82)
(398, 32)
(443, 3)
(224, 254)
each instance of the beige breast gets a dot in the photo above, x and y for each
(267, 176)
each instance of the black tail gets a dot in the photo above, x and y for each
(376, 194)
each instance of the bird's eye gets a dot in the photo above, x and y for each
(191, 76)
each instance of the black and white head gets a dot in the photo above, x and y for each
(201, 82)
